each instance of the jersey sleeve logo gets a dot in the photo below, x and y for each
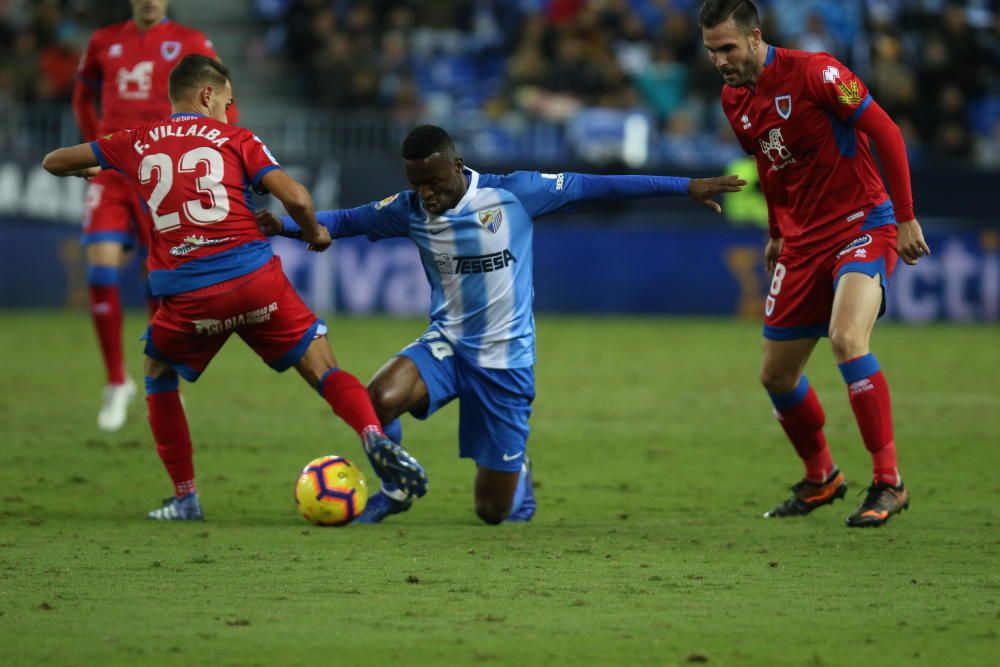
(783, 104)
(170, 50)
(831, 74)
(385, 202)
(560, 179)
(267, 151)
(491, 218)
(849, 93)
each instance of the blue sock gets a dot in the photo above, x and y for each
(160, 385)
(102, 276)
(394, 430)
(520, 491)
(859, 368)
(523, 505)
(790, 399)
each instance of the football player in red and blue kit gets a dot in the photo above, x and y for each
(122, 83)
(214, 270)
(835, 238)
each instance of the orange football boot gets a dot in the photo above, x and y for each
(808, 495)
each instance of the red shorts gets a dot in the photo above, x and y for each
(261, 307)
(113, 211)
(800, 300)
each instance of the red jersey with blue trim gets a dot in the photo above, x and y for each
(195, 175)
(816, 171)
(131, 68)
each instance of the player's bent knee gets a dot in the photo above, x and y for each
(317, 360)
(105, 253)
(388, 399)
(848, 343)
(154, 368)
(777, 382)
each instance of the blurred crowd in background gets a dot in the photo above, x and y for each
(933, 64)
(585, 66)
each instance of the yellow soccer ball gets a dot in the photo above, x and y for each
(331, 491)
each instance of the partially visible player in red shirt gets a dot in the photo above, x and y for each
(123, 71)
(835, 239)
(214, 270)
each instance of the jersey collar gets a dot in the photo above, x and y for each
(771, 55)
(470, 191)
(134, 27)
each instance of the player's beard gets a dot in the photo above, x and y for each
(746, 72)
(743, 72)
(739, 76)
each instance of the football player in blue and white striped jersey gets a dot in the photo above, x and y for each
(474, 234)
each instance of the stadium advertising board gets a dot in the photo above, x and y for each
(585, 268)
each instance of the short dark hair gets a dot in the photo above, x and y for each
(716, 12)
(193, 72)
(426, 140)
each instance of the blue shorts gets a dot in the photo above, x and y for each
(494, 404)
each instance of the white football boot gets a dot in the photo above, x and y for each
(114, 408)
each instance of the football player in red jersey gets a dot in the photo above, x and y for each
(124, 69)
(215, 272)
(835, 238)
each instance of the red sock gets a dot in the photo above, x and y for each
(801, 416)
(873, 410)
(106, 311)
(173, 440)
(349, 400)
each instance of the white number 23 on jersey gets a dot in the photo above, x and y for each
(161, 166)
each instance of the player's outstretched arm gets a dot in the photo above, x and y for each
(79, 160)
(704, 190)
(270, 224)
(544, 194)
(299, 204)
(609, 188)
(378, 220)
(341, 223)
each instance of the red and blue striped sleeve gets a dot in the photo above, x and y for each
(117, 151)
(257, 160)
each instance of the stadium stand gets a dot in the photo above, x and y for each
(544, 79)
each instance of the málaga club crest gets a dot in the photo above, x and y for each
(491, 218)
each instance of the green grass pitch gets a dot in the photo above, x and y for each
(655, 453)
